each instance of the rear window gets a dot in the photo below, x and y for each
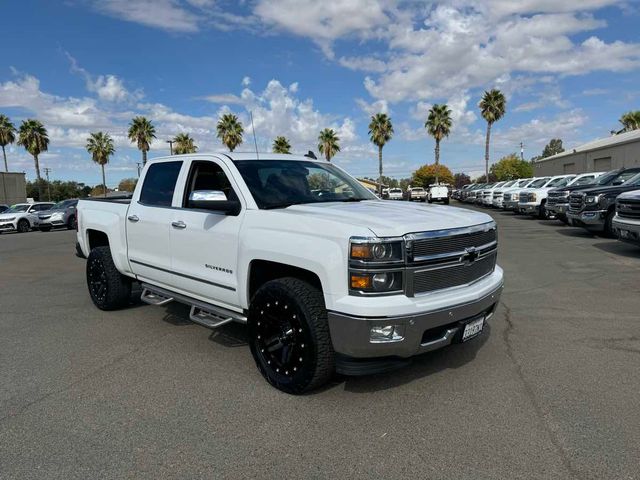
(159, 184)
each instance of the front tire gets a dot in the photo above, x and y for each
(23, 226)
(608, 225)
(289, 335)
(109, 289)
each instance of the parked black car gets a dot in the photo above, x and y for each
(558, 198)
(594, 208)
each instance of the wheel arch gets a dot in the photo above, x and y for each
(97, 238)
(263, 271)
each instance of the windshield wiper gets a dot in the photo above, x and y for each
(283, 205)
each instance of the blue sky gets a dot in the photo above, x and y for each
(569, 70)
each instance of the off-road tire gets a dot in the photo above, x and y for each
(108, 288)
(284, 305)
(23, 226)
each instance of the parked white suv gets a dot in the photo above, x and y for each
(22, 217)
(532, 200)
(327, 279)
(438, 192)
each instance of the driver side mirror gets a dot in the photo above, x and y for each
(214, 200)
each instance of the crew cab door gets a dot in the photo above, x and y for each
(204, 243)
(148, 223)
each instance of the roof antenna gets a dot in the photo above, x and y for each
(254, 135)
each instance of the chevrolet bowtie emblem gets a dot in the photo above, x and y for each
(471, 255)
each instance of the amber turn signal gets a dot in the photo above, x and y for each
(360, 282)
(360, 250)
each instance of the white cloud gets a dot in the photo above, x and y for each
(165, 14)
(246, 81)
(228, 98)
(379, 106)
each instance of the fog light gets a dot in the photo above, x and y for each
(386, 333)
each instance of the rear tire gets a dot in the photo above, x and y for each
(289, 335)
(23, 226)
(446, 201)
(109, 289)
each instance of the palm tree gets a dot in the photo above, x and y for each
(328, 143)
(380, 132)
(492, 107)
(100, 146)
(7, 136)
(630, 121)
(184, 143)
(438, 125)
(281, 145)
(142, 132)
(34, 138)
(229, 131)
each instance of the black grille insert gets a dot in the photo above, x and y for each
(628, 208)
(453, 276)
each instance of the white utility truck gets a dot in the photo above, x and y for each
(326, 276)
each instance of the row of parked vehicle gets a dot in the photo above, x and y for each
(601, 202)
(437, 192)
(43, 216)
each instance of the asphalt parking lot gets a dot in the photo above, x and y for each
(550, 390)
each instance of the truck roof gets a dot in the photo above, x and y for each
(234, 156)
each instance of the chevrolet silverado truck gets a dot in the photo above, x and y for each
(558, 199)
(626, 222)
(533, 200)
(511, 197)
(498, 193)
(338, 281)
(595, 208)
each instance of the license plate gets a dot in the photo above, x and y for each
(624, 234)
(472, 329)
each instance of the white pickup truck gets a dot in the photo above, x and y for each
(326, 276)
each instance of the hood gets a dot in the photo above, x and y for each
(574, 188)
(618, 189)
(387, 219)
(5, 215)
(632, 195)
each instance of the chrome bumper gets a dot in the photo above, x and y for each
(627, 230)
(590, 219)
(421, 332)
(528, 208)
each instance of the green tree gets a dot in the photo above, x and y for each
(552, 148)
(229, 131)
(7, 136)
(328, 143)
(34, 138)
(510, 168)
(380, 132)
(493, 106)
(99, 190)
(404, 183)
(142, 132)
(100, 146)
(630, 121)
(281, 145)
(438, 125)
(427, 174)
(127, 184)
(184, 143)
(460, 180)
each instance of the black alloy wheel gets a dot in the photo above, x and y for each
(23, 226)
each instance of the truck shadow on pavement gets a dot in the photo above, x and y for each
(619, 248)
(451, 357)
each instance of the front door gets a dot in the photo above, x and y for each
(204, 244)
(148, 224)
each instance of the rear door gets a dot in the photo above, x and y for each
(148, 223)
(204, 244)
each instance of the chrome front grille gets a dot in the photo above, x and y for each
(554, 198)
(449, 258)
(453, 276)
(628, 208)
(576, 202)
(526, 197)
(507, 197)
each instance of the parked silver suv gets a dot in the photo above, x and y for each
(61, 215)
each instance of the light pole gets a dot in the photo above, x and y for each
(46, 172)
(138, 164)
(521, 151)
(170, 142)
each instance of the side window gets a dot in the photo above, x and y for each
(159, 184)
(205, 175)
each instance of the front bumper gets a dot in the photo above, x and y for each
(422, 332)
(511, 205)
(590, 219)
(528, 208)
(627, 230)
(8, 226)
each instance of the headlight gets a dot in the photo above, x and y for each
(515, 196)
(375, 282)
(372, 250)
(591, 199)
(532, 197)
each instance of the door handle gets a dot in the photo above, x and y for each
(180, 224)
(133, 218)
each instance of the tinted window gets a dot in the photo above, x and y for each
(159, 184)
(583, 181)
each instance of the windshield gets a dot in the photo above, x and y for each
(634, 181)
(524, 183)
(20, 208)
(538, 183)
(63, 204)
(623, 177)
(508, 184)
(281, 183)
(559, 182)
(579, 181)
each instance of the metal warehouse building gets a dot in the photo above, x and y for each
(617, 151)
(12, 188)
